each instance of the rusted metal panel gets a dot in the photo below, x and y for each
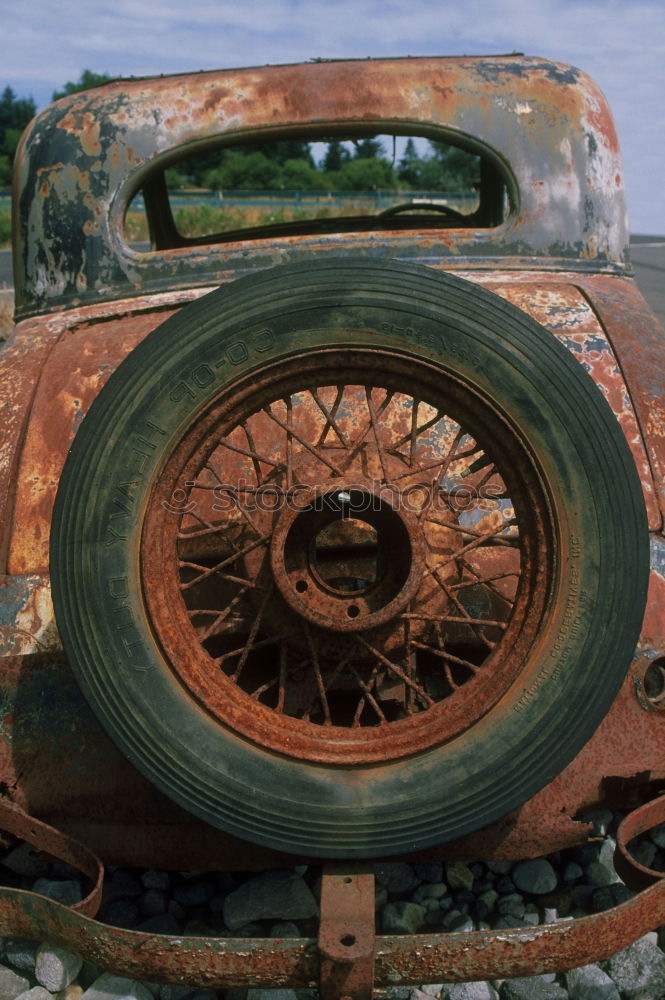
(86, 155)
(638, 342)
(348, 960)
(346, 932)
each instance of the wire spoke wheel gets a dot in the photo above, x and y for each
(337, 563)
(350, 558)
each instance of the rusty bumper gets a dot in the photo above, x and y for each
(347, 960)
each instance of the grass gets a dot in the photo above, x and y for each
(6, 313)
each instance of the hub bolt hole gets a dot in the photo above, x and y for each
(301, 586)
(353, 611)
(348, 940)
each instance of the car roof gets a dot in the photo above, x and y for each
(85, 156)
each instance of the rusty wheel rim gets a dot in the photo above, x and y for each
(347, 557)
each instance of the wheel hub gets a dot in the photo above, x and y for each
(347, 558)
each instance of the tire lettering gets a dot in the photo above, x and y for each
(570, 629)
(123, 621)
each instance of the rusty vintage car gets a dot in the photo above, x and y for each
(339, 537)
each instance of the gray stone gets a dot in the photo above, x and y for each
(644, 853)
(457, 922)
(161, 923)
(403, 918)
(459, 875)
(195, 893)
(499, 867)
(640, 967)
(170, 991)
(601, 819)
(56, 967)
(511, 906)
(152, 879)
(285, 929)
(271, 994)
(432, 989)
(36, 993)
(110, 987)
(572, 872)
(532, 988)
(589, 982)
(21, 954)
(152, 902)
(536, 877)
(11, 984)
(67, 893)
(469, 991)
(657, 834)
(397, 876)
(272, 895)
(26, 860)
(428, 871)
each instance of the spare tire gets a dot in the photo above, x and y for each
(350, 558)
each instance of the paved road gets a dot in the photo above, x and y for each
(647, 252)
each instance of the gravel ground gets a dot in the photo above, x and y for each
(411, 898)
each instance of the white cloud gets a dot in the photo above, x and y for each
(621, 43)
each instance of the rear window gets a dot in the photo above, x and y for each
(319, 184)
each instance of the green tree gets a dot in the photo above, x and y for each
(15, 113)
(410, 166)
(336, 155)
(86, 81)
(244, 171)
(365, 174)
(299, 175)
(367, 149)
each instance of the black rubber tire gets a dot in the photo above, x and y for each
(587, 637)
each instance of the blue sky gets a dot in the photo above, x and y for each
(621, 43)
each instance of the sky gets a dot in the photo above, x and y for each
(621, 43)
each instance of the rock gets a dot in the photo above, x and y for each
(21, 954)
(457, 922)
(644, 853)
(459, 875)
(601, 818)
(56, 968)
(11, 984)
(194, 893)
(110, 987)
(572, 872)
(531, 988)
(402, 918)
(536, 877)
(657, 835)
(36, 993)
(161, 923)
(638, 968)
(285, 929)
(499, 867)
(67, 893)
(26, 860)
(397, 876)
(511, 906)
(428, 871)
(72, 992)
(121, 883)
(469, 991)
(272, 895)
(271, 994)
(122, 912)
(431, 989)
(152, 902)
(152, 879)
(589, 982)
